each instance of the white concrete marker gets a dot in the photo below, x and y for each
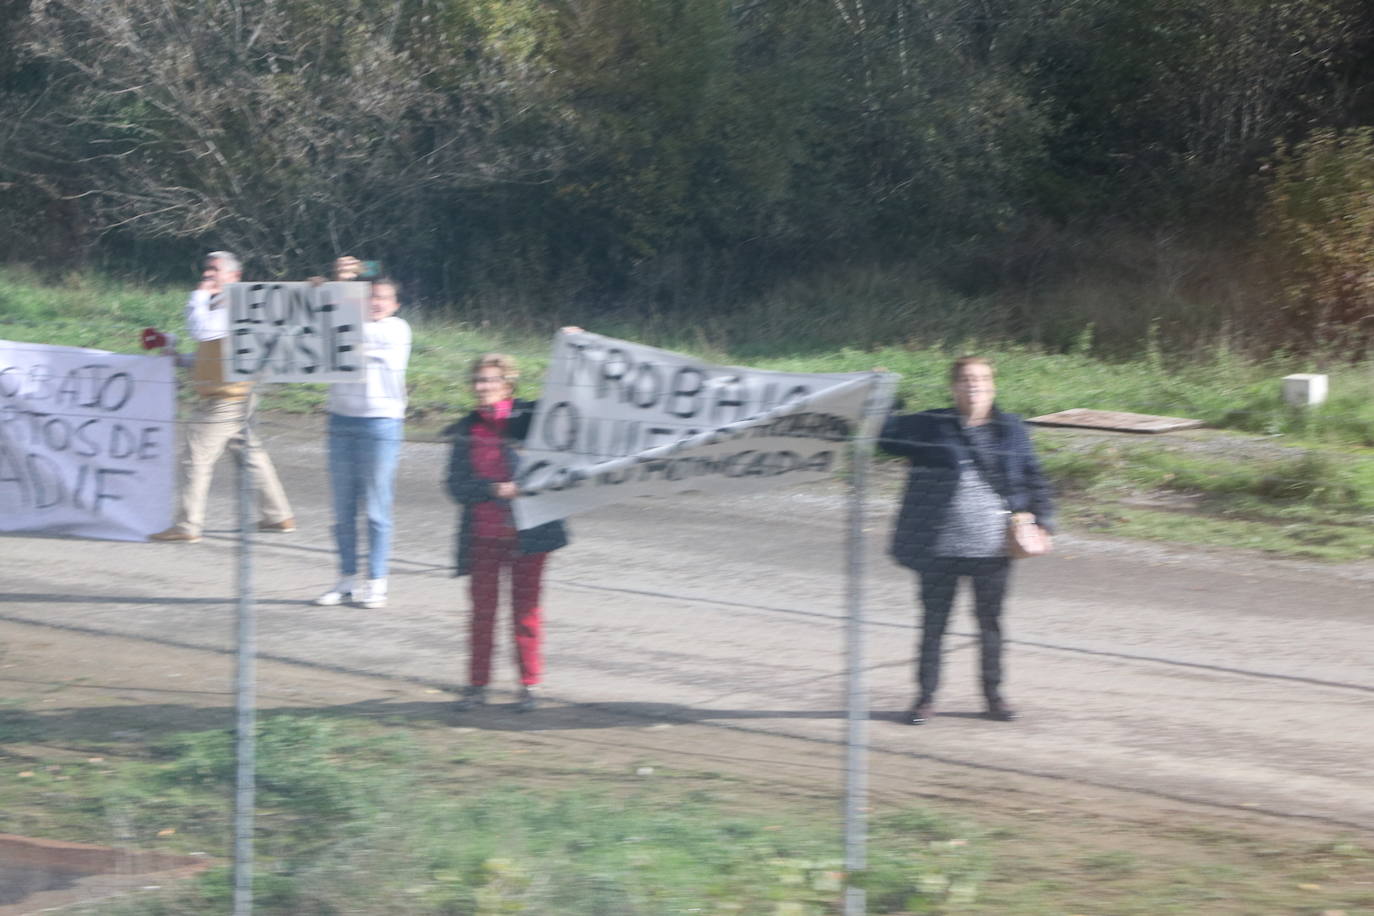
(1304, 390)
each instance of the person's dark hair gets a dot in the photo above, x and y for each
(958, 366)
(387, 281)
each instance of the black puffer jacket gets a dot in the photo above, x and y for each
(468, 490)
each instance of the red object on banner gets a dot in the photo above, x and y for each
(153, 339)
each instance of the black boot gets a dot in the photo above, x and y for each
(922, 711)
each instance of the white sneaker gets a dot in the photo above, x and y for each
(336, 595)
(372, 594)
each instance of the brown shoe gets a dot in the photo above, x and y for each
(175, 534)
(281, 527)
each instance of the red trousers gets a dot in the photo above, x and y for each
(489, 558)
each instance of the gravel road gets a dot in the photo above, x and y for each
(1212, 678)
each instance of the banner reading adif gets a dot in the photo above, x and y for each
(618, 420)
(87, 441)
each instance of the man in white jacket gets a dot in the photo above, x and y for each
(366, 429)
(219, 419)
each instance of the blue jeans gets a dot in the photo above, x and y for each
(363, 452)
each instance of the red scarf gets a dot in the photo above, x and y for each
(492, 518)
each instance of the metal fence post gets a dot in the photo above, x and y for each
(245, 687)
(856, 736)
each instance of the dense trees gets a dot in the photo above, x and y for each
(655, 150)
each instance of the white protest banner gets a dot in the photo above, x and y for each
(87, 441)
(618, 419)
(295, 332)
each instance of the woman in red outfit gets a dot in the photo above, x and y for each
(481, 469)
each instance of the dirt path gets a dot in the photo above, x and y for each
(1061, 846)
(1154, 682)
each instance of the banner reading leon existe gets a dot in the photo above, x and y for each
(87, 441)
(618, 419)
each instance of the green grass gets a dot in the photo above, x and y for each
(1307, 505)
(1303, 503)
(914, 337)
(362, 817)
(353, 819)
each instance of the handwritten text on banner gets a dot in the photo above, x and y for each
(87, 441)
(618, 419)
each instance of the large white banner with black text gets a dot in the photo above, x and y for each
(617, 420)
(87, 441)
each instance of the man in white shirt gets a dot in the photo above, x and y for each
(219, 419)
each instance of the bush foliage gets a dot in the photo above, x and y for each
(674, 155)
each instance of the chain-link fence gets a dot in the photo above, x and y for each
(700, 681)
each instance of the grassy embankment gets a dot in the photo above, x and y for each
(1307, 490)
(358, 816)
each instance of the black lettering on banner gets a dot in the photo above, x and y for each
(12, 471)
(332, 333)
(297, 311)
(69, 392)
(40, 383)
(271, 304)
(89, 386)
(243, 346)
(335, 362)
(10, 382)
(771, 464)
(721, 434)
(122, 442)
(730, 394)
(115, 391)
(289, 327)
(305, 345)
(625, 441)
(148, 445)
(42, 483)
(83, 474)
(102, 481)
(90, 449)
(253, 307)
(646, 387)
(561, 426)
(687, 384)
(807, 426)
(820, 462)
(249, 307)
(590, 441)
(554, 479)
(45, 481)
(576, 362)
(653, 434)
(60, 441)
(614, 366)
(527, 478)
(731, 463)
(11, 424)
(683, 437)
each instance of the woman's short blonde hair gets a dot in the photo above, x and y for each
(958, 366)
(506, 363)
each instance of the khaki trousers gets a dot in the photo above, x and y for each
(216, 424)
